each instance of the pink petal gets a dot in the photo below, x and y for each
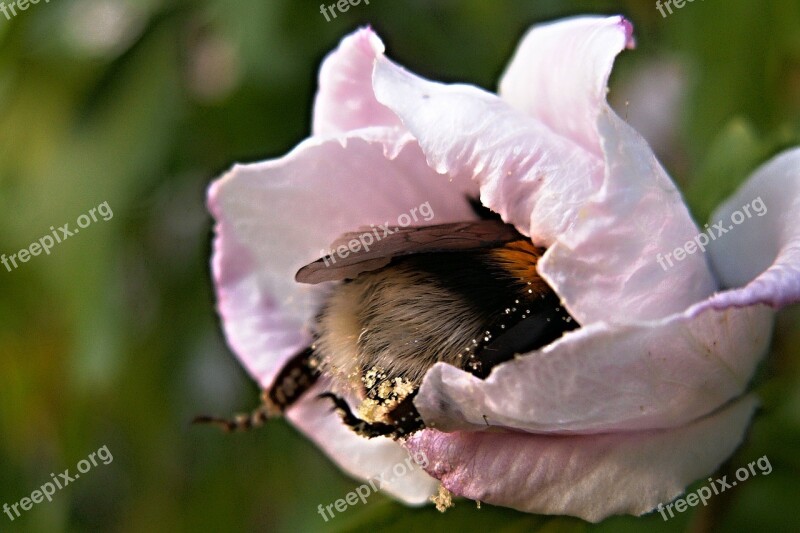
(274, 217)
(607, 266)
(762, 253)
(533, 178)
(345, 100)
(589, 476)
(606, 215)
(559, 74)
(365, 459)
(603, 378)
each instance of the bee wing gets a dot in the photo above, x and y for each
(378, 251)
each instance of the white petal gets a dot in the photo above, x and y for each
(345, 100)
(611, 265)
(559, 74)
(761, 254)
(606, 219)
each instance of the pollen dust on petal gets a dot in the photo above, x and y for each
(443, 500)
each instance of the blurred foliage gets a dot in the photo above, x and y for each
(113, 339)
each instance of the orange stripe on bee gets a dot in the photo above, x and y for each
(518, 258)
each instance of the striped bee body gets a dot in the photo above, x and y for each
(466, 294)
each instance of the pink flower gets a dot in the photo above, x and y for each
(647, 396)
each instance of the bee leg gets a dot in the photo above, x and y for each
(405, 419)
(362, 427)
(295, 378)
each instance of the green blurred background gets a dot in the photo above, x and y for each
(113, 338)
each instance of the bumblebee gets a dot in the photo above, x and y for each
(466, 294)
